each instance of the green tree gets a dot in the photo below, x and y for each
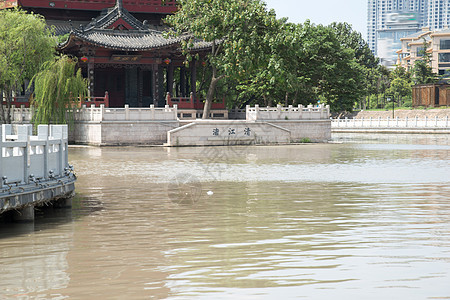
(274, 79)
(351, 39)
(383, 83)
(400, 85)
(58, 88)
(238, 31)
(305, 63)
(331, 67)
(422, 71)
(25, 44)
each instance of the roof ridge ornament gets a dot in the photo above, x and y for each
(117, 18)
(119, 6)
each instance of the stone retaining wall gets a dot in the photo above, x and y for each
(223, 133)
(122, 133)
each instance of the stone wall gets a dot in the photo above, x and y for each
(123, 126)
(122, 133)
(221, 133)
(86, 133)
(315, 130)
(215, 133)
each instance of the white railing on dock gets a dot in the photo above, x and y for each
(98, 114)
(391, 123)
(288, 113)
(43, 156)
(21, 114)
(237, 114)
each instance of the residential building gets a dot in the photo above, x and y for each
(435, 43)
(389, 21)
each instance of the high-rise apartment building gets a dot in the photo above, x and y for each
(390, 20)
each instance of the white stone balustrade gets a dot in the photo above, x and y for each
(23, 154)
(391, 123)
(98, 114)
(20, 115)
(299, 112)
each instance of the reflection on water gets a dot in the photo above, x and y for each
(347, 221)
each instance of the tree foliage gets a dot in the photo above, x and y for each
(238, 31)
(58, 87)
(259, 59)
(25, 44)
(422, 71)
(353, 40)
(308, 63)
(401, 84)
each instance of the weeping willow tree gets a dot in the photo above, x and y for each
(26, 42)
(57, 89)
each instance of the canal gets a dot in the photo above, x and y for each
(365, 219)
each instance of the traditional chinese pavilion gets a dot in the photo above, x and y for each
(122, 48)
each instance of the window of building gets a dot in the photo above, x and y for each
(444, 57)
(420, 51)
(445, 44)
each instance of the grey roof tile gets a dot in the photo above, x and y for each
(141, 38)
(126, 40)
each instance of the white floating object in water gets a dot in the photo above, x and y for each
(210, 193)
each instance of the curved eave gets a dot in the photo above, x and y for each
(201, 47)
(67, 43)
(75, 36)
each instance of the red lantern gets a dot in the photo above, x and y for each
(84, 59)
(167, 61)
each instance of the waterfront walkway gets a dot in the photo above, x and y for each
(392, 125)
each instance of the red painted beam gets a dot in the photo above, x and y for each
(141, 6)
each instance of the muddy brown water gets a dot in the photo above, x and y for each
(365, 220)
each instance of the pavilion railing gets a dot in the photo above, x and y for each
(191, 102)
(18, 102)
(97, 101)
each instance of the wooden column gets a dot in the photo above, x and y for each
(91, 76)
(140, 87)
(170, 79)
(183, 81)
(160, 91)
(193, 67)
(155, 89)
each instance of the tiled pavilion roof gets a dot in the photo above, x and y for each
(117, 29)
(123, 40)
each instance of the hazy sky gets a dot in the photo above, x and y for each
(323, 11)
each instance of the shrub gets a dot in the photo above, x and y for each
(305, 140)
